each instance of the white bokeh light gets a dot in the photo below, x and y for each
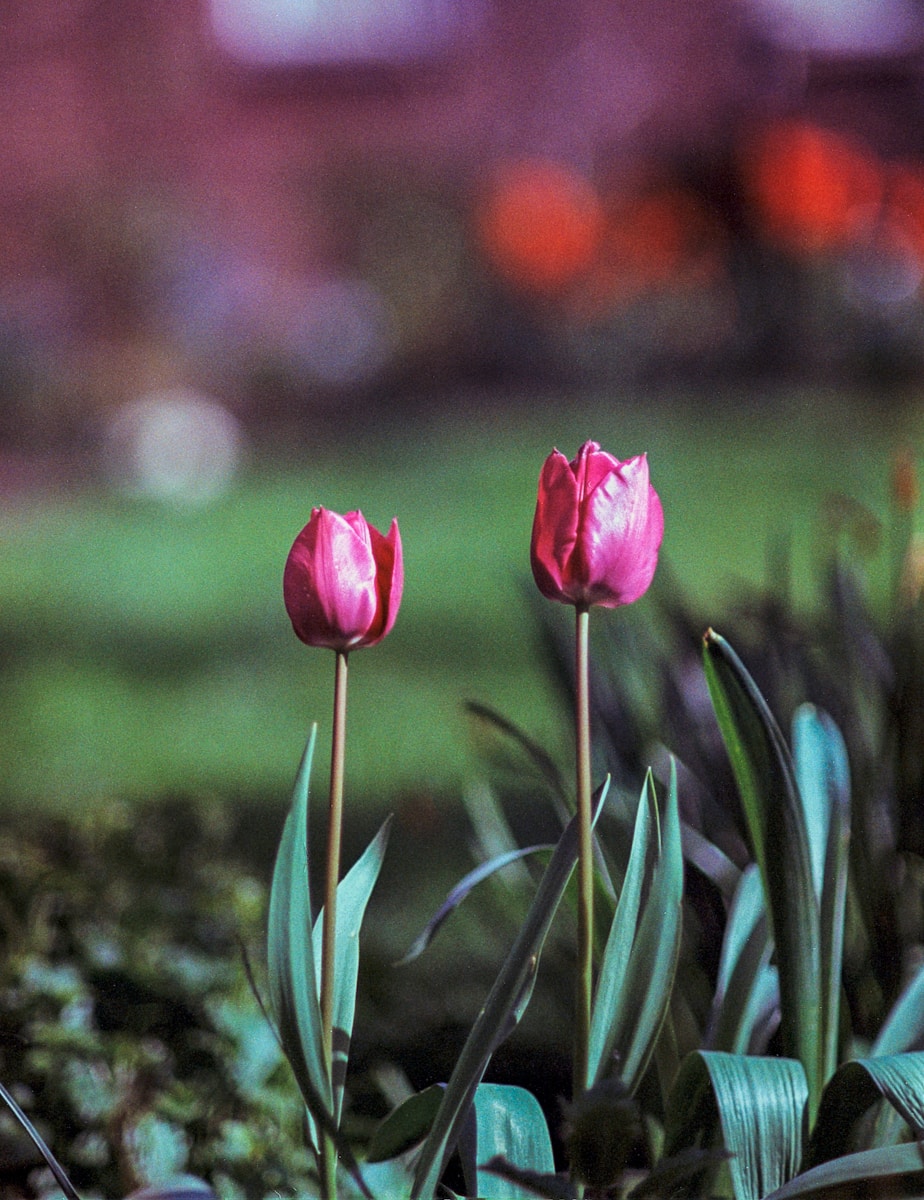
(174, 445)
(843, 26)
(268, 32)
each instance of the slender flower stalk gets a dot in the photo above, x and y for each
(334, 830)
(596, 536)
(342, 587)
(585, 950)
(329, 927)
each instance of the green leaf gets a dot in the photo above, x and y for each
(709, 860)
(745, 979)
(38, 1141)
(532, 1183)
(353, 892)
(502, 1010)
(752, 1107)
(665, 1178)
(637, 971)
(776, 827)
(537, 755)
(855, 1088)
(292, 971)
(405, 1125)
(903, 1028)
(508, 1121)
(460, 891)
(881, 1174)
(290, 952)
(610, 999)
(823, 776)
(389, 1180)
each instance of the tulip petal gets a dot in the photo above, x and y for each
(389, 580)
(597, 529)
(622, 524)
(555, 527)
(329, 581)
(591, 468)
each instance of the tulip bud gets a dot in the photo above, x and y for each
(343, 581)
(597, 529)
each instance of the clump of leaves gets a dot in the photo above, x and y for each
(129, 1034)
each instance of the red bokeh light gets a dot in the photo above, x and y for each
(810, 188)
(662, 237)
(539, 224)
(905, 202)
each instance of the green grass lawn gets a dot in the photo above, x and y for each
(145, 649)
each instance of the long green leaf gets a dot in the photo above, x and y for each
(290, 953)
(406, 1125)
(823, 776)
(744, 974)
(389, 1180)
(903, 1028)
(854, 1089)
(459, 893)
(60, 1175)
(292, 972)
(610, 999)
(669, 1176)
(885, 1173)
(637, 972)
(754, 1108)
(540, 758)
(507, 1121)
(532, 1183)
(502, 1010)
(776, 826)
(353, 892)
(709, 860)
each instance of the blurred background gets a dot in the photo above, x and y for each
(258, 255)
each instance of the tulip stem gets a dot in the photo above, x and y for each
(585, 931)
(329, 929)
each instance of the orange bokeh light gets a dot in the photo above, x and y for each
(539, 224)
(661, 237)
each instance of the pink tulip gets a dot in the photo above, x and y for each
(597, 529)
(343, 581)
